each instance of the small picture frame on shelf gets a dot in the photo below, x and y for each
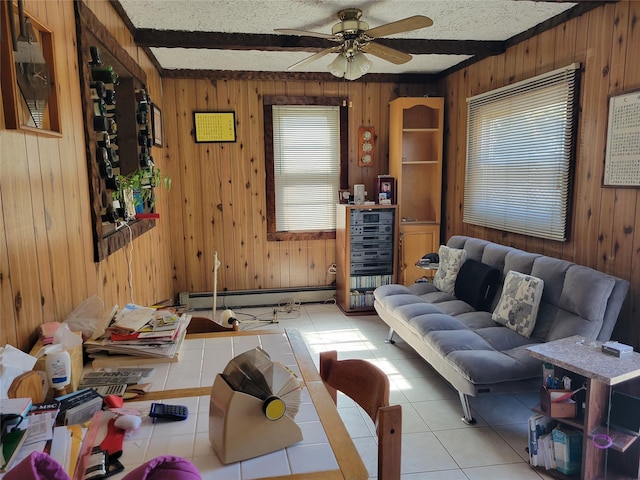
(156, 125)
(386, 190)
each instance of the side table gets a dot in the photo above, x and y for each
(585, 358)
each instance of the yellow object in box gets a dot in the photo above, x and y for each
(76, 363)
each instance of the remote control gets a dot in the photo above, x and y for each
(168, 412)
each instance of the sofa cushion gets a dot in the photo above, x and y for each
(451, 259)
(519, 302)
(585, 292)
(477, 283)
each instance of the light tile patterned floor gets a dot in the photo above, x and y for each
(435, 444)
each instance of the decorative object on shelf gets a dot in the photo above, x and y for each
(366, 137)
(386, 190)
(212, 127)
(156, 125)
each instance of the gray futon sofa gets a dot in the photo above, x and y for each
(474, 353)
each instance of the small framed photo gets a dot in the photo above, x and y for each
(386, 190)
(156, 125)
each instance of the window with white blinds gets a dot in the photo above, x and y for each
(520, 148)
(306, 157)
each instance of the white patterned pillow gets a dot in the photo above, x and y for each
(519, 302)
(451, 259)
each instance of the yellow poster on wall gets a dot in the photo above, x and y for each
(214, 127)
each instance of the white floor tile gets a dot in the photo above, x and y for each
(436, 444)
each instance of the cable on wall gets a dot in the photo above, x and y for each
(129, 256)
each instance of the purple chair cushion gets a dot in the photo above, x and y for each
(40, 466)
(165, 467)
(37, 466)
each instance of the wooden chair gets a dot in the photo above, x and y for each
(368, 386)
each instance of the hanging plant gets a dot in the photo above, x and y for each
(141, 183)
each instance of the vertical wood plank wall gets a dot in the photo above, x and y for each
(217, 200)
(46, 245)
(603, 222)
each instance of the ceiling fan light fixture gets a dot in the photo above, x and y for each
(339, 66)
(357, 66)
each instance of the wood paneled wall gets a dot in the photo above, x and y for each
(218, 199)
(604, 220)
(46, 252)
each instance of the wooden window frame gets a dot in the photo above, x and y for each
(268, 102)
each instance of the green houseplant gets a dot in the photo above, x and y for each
(139, 185)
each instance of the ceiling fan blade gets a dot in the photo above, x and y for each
(314, 57)
(405, 25)
(386, 53)
(290, 31)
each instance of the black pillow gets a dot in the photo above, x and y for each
(476, 284)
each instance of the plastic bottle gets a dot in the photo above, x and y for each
(58, 367)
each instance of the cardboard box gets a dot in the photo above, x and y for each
(567, 447)
(562, 409)
(76, 364)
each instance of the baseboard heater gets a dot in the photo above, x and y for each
(257, 298)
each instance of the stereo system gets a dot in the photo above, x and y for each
(371, 242)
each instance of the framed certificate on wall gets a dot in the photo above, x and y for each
(212, 127)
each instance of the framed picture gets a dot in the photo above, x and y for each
(622, 158)
(211, 127)
(385, 190)
(156, 125)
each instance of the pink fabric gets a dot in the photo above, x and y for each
(40, 466)
(37, 466)
(165, 467)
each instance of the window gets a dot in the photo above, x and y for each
(306, 144)
(520, 148)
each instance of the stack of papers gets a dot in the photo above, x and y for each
(141, 332)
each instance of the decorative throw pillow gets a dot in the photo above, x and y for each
(451, 259)
(476, 284)
(519, 302)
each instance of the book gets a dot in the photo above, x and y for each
(11, 445)
(17, 406)
(133, 317)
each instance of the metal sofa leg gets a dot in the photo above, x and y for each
(466, 410)
(390, 337)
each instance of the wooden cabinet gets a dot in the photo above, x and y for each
(415, 241)
(415, 160)
(366, 250)
(602, 373)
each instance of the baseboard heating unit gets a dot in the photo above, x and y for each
(257, 298)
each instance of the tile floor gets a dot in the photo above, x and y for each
(435, 444)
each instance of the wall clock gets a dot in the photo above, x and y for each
(366, 137)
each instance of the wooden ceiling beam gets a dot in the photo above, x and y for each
(292, 43)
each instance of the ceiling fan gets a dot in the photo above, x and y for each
(354, 38)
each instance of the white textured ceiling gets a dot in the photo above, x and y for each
(484, 20)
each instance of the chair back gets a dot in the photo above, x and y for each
(368, 386)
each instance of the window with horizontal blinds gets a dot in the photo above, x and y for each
(306, 157)
(520, 149)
